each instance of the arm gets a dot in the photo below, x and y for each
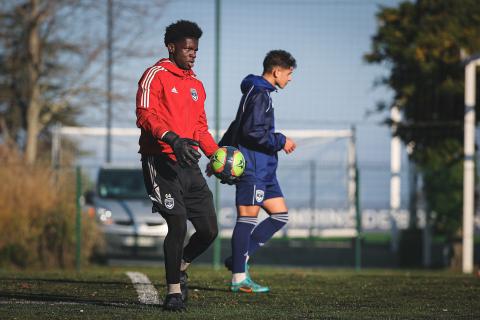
(207, 143)
(148, 93)
(255, 130)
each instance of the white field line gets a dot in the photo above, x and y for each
(22, 301)
(54, 303)
(147, 294)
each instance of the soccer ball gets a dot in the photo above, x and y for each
(227, 163)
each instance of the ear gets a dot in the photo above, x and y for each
(275, 72)
(171, 48)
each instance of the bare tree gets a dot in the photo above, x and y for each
(52, 57)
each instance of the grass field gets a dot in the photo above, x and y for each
(107, 293)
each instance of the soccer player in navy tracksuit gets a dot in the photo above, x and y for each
(253, 132)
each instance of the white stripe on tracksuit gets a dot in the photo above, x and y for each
(246, 97)
(155, 196)
(146, 83)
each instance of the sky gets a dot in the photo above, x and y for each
(332, 87)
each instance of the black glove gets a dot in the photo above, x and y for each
(186, 155)
(229, 180)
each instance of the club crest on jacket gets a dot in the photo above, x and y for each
(194, 93)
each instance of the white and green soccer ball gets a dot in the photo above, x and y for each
(227, 162)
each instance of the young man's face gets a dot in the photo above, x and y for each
(282, 76)
(184, 52)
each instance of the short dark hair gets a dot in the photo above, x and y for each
(278, 58)
(182, 29)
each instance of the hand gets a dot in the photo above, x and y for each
(289, 146)
(208, 170)
(230, 180)
(183, 149)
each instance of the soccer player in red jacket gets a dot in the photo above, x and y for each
(171, 115)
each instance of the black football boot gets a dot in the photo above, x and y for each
(174, 302)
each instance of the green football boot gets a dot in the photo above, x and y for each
(248, 286)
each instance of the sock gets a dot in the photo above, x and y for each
(265, 230)
(238, 277)
(174, 288)
(184, 265)
(240, 242)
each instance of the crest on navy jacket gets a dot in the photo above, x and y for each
(194, 93)
(169, 202)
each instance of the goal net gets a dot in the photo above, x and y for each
(318, 182)
(318, 179)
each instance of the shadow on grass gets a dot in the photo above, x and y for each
(208, 289)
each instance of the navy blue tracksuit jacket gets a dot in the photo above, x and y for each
(253, 130)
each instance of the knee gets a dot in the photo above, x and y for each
(182, 230)
(177, 228)
(213, 233)
(209, 235)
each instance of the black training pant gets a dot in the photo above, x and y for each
(179, 194)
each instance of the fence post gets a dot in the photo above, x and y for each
(358, 239)
(312, 198)
(217, 244)
(78, 224)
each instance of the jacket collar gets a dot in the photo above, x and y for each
(257, 81)
(170, 66)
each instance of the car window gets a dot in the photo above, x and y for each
(121, 183)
